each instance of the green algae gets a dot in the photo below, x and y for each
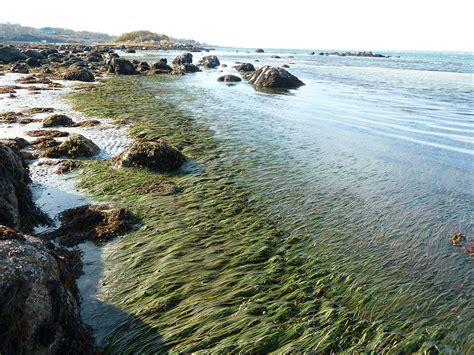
(209, 270)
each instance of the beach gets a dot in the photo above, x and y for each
(310, 218)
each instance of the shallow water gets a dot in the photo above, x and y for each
(373, 158)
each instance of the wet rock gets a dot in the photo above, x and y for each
(57, 120)
(47, 133)
(90, 222)
(75, 146)
(143, 67)
(271, 77)
(185, 68)
(9, 54)
(130, 50)
(16, 144)
(17, 207)
(87, 123)
(67, 166)
(185, 58)
(156, 155)
(275, 57)
(245, 67)
(45, 143)
(121, 66)
(34, 79)
(20, 67)
(10, 116)
(259, 50)
(161, 67)
(39, 300)
(33, 63)
(79, 75)
(229, 78)
(35, 110)
(210, 61)
(457, 239)
(286, 66)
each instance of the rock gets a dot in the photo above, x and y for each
(143, 67)
(66, 166)
(210, 61)
(275, 57)
(312, 53)
(229, 78)
(246, 67)
(464, 243)
(130, 50)
(31, 53)
(186, 68)
(76, 145)
(285, 66)
(259, 50)
(224, 65)
(20, 67)
(33, 62)
(9, 54)
(160, 188)
(156, 155)
(39, 300)
(161, 67)
(34, 110)
(271, 77)
(57, 120)
(185, 58)
(121, 66)
(17, 207)
(79, 75)
(90, 222)
(16, 144)
(50, 133)
(10, 116)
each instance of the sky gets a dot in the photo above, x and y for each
(332, 24)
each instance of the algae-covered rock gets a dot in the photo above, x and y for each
(79, 75)
(91, 222)
(57, 120)
(39, 301)
(156, 155)
(76, 145)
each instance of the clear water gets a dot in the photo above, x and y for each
(373, 158)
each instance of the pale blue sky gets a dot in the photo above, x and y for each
(338, 24)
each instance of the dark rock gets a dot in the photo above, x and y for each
(161, 67)
(76, 145)
(10, 54)
(275, 57)
(66, 166)
(156, 155)
(259, 50)
(229, 78)
(39, 300)
(245, 67)
(210, 61)
(57, 120)
(186, 68)
(186, 58)
(17, 207)
(90, 222)
(130, 50)
(286, 66)
(312, 53)
(121, 66)
(271, 77)
(16, 144)
(31, 53)
(33, 62)
(79, 75)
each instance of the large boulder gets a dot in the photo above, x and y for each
(185, 58)
(210, 61)
(39, 300)
(79, 75)
(245, 67)
(156, 155)
(161, 67)
(9, 54)
(17, 209)
(272, 77)
(185, 68)
(229, 78)
(31, 53)
(121, 66)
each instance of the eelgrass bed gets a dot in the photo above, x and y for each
(209, 270)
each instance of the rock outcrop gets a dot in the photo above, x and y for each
(39, 301)
(155, 155)
(272, 77)
(17, 207)
(9, 54)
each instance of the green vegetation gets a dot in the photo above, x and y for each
(142, 37)
(208, 270)
(17, 33)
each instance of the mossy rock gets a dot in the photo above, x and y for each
(155, 155)
(57, 120)
(76, 146)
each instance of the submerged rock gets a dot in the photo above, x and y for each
(39, 300)
(271, 77)
(17, 207)
(156, 155)
(57, 120)
(229, 78)
(465, 244)
(90, 222)
(79, 75)
(259, 50)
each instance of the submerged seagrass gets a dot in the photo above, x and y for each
(210, 271)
